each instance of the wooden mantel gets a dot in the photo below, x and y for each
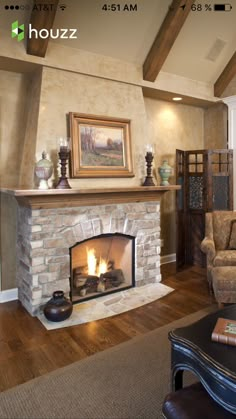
(59, 198)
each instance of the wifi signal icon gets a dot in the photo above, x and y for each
(62, 7)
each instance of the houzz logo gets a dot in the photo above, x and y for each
(17, 30)
(52, 33)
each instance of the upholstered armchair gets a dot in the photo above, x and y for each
(219, 243)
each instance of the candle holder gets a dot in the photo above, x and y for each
(64, 154)
(149, 159)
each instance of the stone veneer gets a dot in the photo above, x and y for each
(45, 236)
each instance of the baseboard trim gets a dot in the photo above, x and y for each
(168, 258)
(8, 295)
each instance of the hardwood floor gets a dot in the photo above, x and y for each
(28, 350)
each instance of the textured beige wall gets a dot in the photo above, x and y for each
(28, 160)
(13, 97)
(8, 211)
(215, 126)
(172, 126)
(63, 92)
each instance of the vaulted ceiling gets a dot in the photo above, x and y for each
(182, 37)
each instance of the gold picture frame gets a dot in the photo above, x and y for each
(100, 146)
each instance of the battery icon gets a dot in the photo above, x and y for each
(222, 7)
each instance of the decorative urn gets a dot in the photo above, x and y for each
(43, 171)
(58, 308)
(165, 171)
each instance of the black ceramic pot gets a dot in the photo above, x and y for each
(58, 308)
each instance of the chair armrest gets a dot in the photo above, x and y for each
(208, 247)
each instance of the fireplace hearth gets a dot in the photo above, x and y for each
(101, 265)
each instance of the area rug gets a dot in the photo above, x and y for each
(110, 305)
(127, 381)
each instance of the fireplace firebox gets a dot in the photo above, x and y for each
(101, 265)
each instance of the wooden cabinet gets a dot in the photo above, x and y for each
(206, 179)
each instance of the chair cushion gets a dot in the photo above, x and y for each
(193, 402)
(225, 258)
(221, 228)
(232, 237)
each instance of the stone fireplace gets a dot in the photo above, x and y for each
(45, 237)
(53, 224)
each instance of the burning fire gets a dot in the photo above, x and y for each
(91, 261)
(102, 267)
(93, 268)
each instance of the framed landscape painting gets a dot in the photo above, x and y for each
(100, 146)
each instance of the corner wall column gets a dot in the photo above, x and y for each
(231, 103)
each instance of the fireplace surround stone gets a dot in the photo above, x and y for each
(49, 224)
(45, 236)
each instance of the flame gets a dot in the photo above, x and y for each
(92, 264)
(102, 267)
(92, 261)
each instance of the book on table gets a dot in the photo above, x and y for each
(224, 331)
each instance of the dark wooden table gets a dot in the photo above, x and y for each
(213, 363)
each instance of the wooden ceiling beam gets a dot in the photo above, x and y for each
(42, 17)
(169, 30)
(225, 77)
